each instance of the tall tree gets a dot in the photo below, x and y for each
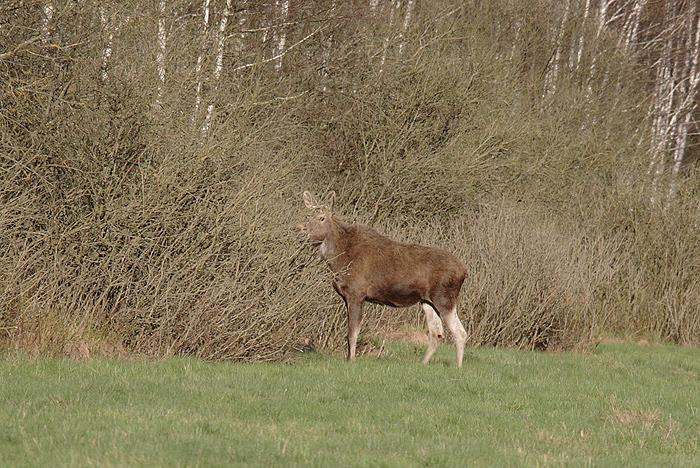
(111, 22)
(218, 64)
(160, 57)
(406, 23)
(552, 75)
(688, 90)
(393, 11)
(579, 48)
(109, 29)
(48, 11)
(280, 32)
(200, 59)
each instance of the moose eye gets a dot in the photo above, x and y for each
(322, 218)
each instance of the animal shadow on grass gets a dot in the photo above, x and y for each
(439, 360)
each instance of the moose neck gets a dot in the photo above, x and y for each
(332, 246)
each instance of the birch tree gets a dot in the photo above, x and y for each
(393, 9)
(107, 49)
(406, 23)
(677, 83)
(160, 57)
(280, 33)
(48, 11)
(328, 47)
(688, 90)
(111, 24)
(602, 18)
(553, 71)
(200, 59)
(579, 49)
(663, 101)
(631, 28)
(242, 19)
(218, 64)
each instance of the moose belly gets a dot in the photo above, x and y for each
(394, 296)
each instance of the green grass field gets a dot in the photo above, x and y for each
(621, 405)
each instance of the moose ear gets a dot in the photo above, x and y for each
(309, 201)
(331, 201)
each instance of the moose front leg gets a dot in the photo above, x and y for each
(354, 307)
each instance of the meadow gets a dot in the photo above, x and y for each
(622, 404)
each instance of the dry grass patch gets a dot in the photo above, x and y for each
(647, 417)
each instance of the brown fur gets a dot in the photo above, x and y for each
(371, 267)
(368, 266)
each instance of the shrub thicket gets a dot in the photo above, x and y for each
(123, 227)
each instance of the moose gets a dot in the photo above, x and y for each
(368, 266)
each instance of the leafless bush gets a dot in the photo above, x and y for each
(125, 229)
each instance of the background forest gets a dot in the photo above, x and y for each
(153, 156)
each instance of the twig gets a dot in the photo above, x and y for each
(280, 55)
(29, 41)
(281, 98)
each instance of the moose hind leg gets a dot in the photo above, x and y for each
(459, 335)
(435, 331)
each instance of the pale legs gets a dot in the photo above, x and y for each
(459, 335)
(354, 307)
(435, 330)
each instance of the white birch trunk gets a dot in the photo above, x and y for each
(679, 153)
(406, 23)
(579, 54)
(631, 37)
(550, 80)
(664, 122)
(622, 36)
(688, 106)
(160, 57)
(219, 64)
(107, 50)
(518, 27)
(200, 60)
(327, 57)
(242, 19)
(602, 15)
(281, 37)
(46, 21)
(395, 6)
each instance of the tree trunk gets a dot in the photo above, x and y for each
(687, 104)
(602, 18)
(550, 80)
(107, 50)
(46, 21)
(200, 59)
(406, 24)
(160, 57)
(219, 64)
(328, 46)
(583, 32)
(395, 6)
(281, 36)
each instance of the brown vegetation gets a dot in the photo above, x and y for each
(123, 223)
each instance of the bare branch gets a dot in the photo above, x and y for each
(283, 53)
(12, 53)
